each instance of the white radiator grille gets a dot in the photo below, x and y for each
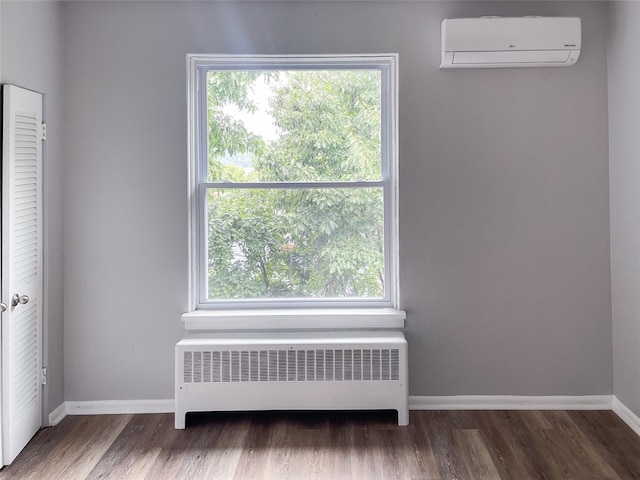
(291, 365)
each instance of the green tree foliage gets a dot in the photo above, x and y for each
(330, 124)
(228, 136)
(303, 243)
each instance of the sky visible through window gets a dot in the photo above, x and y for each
(260, 121)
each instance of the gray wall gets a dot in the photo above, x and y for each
(624, 171)
(504, 219)
(31, 56)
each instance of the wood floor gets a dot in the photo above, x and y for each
(476, 445)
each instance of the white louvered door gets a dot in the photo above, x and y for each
(21, 269)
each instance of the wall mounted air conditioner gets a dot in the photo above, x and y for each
(496, 42)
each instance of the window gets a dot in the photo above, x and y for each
(293, 181)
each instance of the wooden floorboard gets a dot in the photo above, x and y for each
(464, 445)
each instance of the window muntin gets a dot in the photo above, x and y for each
(300, 212)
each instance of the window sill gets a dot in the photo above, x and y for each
(294, 319)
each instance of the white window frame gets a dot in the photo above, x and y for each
(197, 66)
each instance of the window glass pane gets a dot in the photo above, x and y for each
(295, 243)
(293, 125)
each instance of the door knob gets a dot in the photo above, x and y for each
(3, 307)
(19, 299)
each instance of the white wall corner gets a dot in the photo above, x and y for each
(511, 402)
(120, 407)
(626, 415)
(57, 415)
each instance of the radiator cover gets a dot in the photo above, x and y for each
(291, 371)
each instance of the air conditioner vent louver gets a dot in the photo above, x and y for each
(291, 365)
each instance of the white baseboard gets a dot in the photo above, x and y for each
(626, 415)
(511, 402)
(102, 407)
(458, 402)
(58, 414)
